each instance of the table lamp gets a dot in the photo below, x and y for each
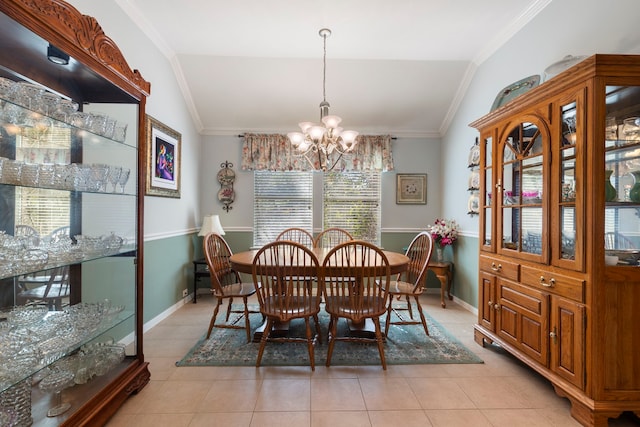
(211, 224)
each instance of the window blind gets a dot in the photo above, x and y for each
(43, 209)
(281, 200)
(351, 200)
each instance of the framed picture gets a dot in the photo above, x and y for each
(163, 159)
(411, 189)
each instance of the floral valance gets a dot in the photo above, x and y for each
(274, 152)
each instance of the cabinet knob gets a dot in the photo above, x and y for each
(490, 304)
(495, 267)
(553, 335)
(550, 284)
(496, 307)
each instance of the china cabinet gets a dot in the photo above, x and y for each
(71, 206)
(559, 279)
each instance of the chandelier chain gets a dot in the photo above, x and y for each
(324, 69)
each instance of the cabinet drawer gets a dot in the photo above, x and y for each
(559, 284)
(500, 267)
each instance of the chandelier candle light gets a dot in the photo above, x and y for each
(324, 139)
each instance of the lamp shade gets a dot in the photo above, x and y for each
(211, 224)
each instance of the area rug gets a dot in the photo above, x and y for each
(405, 345)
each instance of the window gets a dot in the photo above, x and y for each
(281, 200)
(352, 202)
(43, 209)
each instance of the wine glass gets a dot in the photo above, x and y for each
(114, 176)
(56, 382)
(124, 177)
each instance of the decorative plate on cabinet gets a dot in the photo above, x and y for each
(514, 90)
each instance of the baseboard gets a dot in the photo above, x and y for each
(129, 339)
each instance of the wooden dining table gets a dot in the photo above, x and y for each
(243, 263)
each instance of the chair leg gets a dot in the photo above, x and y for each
(376, 322)
(409, 307)
(312, 359)
(263, 340)
(422, 318)
(229, 309)
(333, 328)
(247, 324)
(387, 321)
(318, 330)
(213, 318)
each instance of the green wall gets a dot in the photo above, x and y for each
(169, 269)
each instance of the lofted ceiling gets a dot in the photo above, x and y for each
(397, 68)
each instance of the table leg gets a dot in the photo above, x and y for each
(443, 285)
(195, 288)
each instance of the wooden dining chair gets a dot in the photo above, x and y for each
(356, 276)
(298, 235)
(331, 237)
(410, 284)
(284, 293)
(226, 284)
(52, 289)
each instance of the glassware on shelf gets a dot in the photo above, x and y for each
(114, 176)
(56, 382)
(99, 175)
(124, 177)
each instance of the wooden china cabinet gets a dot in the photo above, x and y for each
(559, 281)
(72, 170)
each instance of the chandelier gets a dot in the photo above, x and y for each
(325, 139)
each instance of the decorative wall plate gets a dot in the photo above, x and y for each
(514, 90)
(474, 156)
(473, 205)
(474, 181)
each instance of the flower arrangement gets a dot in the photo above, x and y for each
(444, 231)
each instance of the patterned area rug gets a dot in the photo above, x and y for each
(405, 345)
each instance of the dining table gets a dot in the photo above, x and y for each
(243, 263)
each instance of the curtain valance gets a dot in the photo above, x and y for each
(274, 152)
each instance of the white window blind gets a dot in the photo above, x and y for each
(352, 202)
(281, 200)
(43, 209)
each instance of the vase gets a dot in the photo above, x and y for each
(610, 192)
(439, 254)
(634, 193)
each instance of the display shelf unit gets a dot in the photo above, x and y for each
(66, 131)
(559, 278)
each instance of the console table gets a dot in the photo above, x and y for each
(200, 269)
(444, 273)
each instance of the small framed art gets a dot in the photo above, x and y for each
(411, 189)
(163, 159)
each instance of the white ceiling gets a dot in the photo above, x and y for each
(397, 68)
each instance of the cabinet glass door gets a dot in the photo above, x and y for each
(486, 191)
(622, 176)
(522, 186)
(568, 235)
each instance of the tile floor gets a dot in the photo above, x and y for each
(500, 392)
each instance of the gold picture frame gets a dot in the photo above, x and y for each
(411, 189)
(163, 159)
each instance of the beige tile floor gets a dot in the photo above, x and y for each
(500, 392)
